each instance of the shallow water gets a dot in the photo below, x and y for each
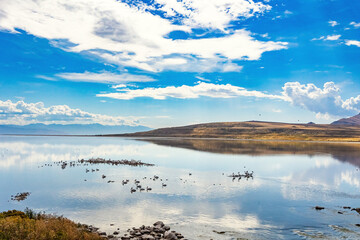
(278, 203)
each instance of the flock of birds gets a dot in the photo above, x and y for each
(138, 186)
(246, 175)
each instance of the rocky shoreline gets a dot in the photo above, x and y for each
(159, 231)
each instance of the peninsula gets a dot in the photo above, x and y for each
(258, 130)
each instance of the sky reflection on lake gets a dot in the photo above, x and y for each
(289, 180)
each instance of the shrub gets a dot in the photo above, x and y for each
(17, 225)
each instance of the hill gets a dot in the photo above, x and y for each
(351, 121)
(258, 130)
(68, 129)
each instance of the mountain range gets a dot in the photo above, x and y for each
(352, 121)
(69, 129)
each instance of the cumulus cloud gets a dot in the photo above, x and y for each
(104, 77)
(352, 43)
(22, 113)
(326, 101)
(352, 103)
(201, 89)
(131, 34)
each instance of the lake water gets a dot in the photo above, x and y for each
(290, 179)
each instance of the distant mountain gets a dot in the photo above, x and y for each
(351, 121)
(69, 129)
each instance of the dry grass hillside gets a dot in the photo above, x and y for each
(258, 130)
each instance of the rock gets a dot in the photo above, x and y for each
(147, 237)
(159, 223)
(170, 236)
(116, 233)
(145, 231)
(157, 232)
(356, 209)
(357, 224)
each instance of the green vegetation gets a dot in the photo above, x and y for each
(28, 225)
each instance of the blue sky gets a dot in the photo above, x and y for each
(167, 63)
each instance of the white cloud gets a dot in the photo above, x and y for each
(21, 113)
(119, 86)
(46, 78)
(104, 77)
(333, 23)
(124, 34)
(352, 103)
(356, 25)
(325, 116)
(327, 38)
(201, 89)
(211, 13)
(352, 42)
(332, 37)
(324, 102)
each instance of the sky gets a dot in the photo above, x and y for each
(162, 63)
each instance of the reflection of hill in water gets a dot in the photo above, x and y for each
(345, 152)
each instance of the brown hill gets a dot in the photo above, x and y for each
(351, 121)
(258, 130)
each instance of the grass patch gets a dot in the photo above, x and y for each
(28, 225)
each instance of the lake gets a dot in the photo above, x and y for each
(200, 200)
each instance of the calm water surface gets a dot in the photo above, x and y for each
(278, 203)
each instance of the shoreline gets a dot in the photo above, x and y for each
(188, 138)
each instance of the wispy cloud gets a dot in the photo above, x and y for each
(48, 78)
(22, 113)
(196, 13)
(131, 34)
(201, 89)
(355, 24)
(328, 38)
(104, 77)
(333, 23)
(333, 37)
(326, 100)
